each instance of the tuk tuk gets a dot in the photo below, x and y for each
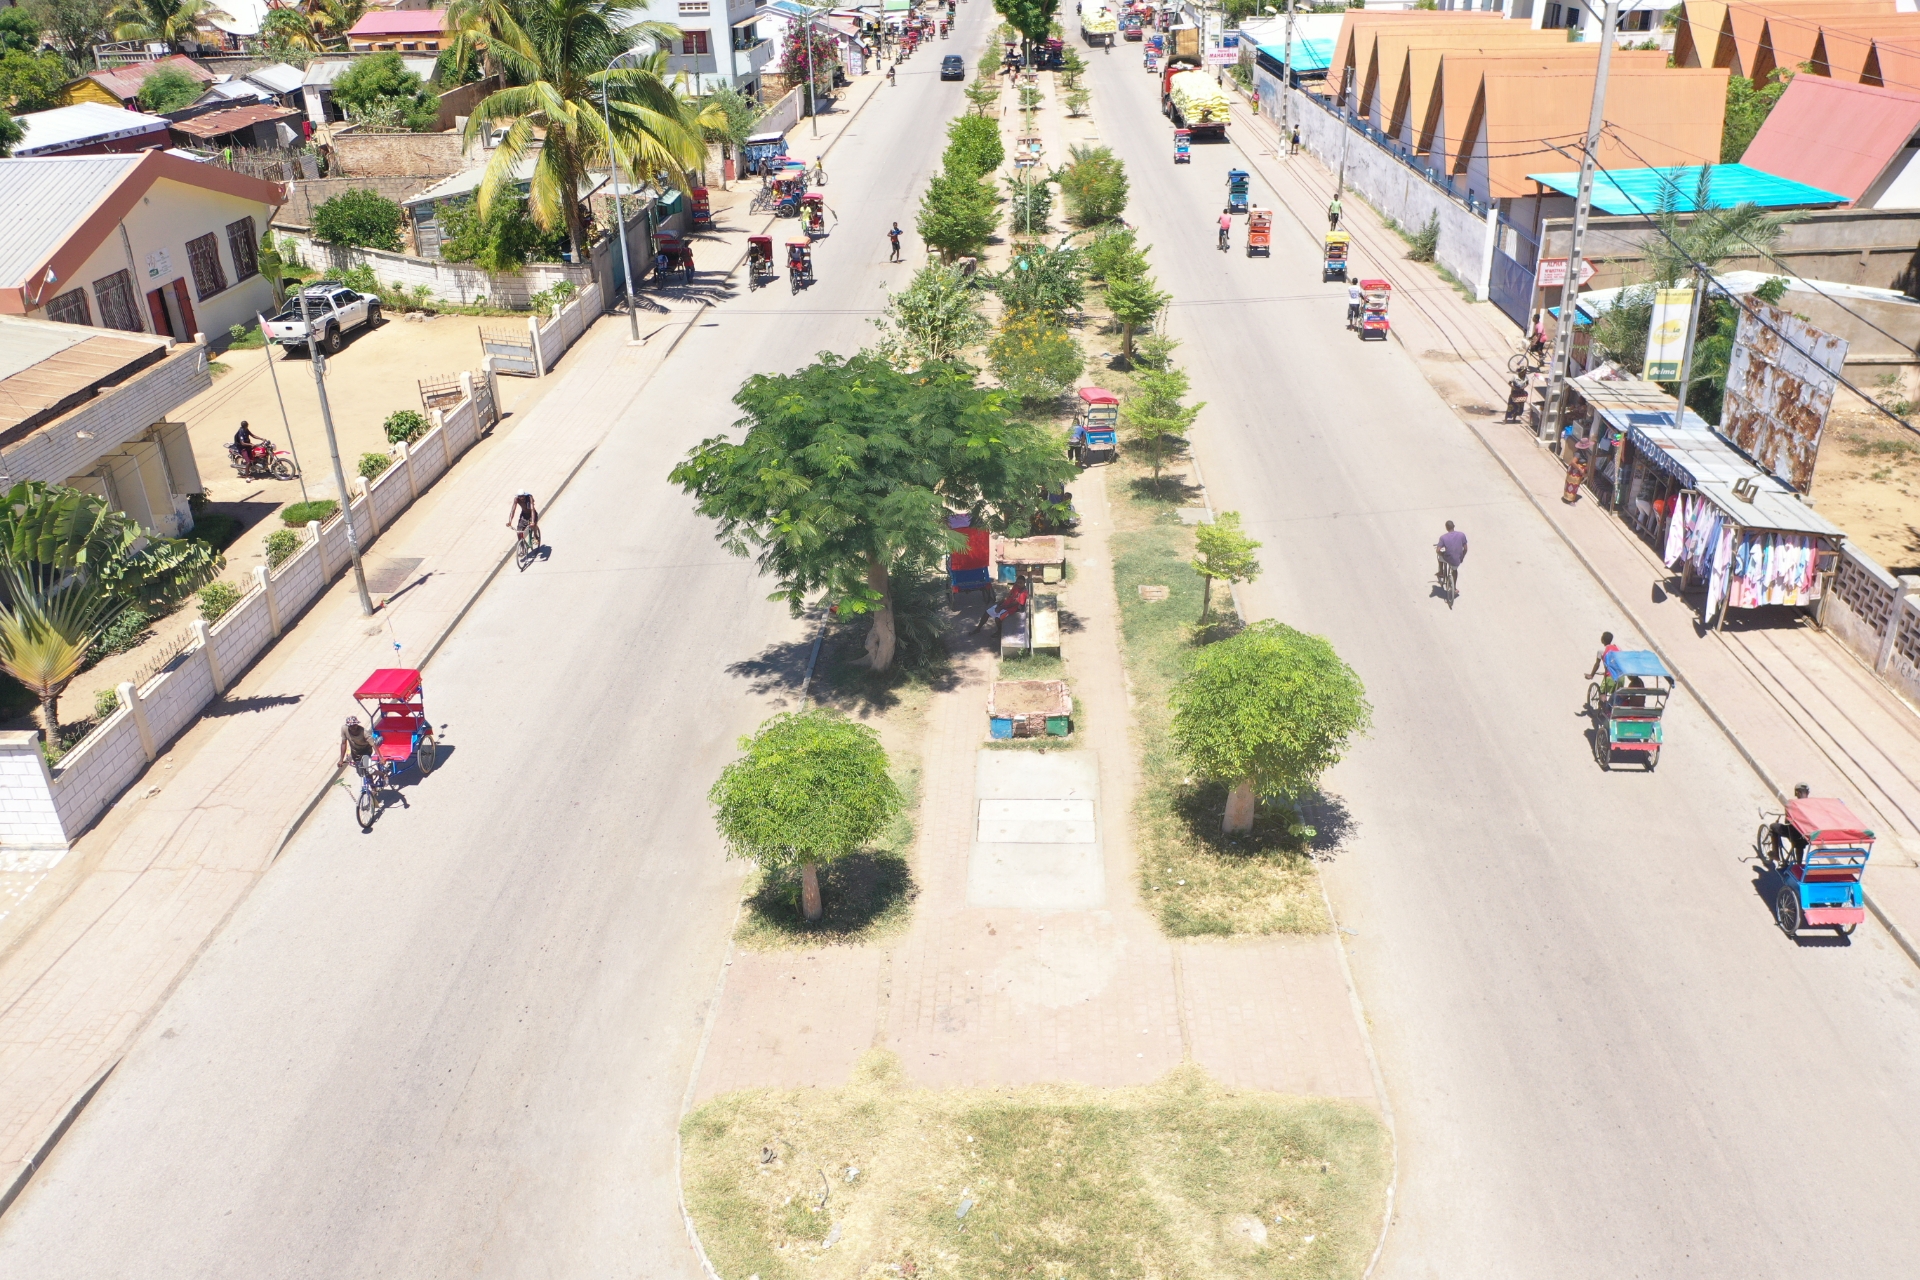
(1094, 436)
(702, 208)
(1818, 851)
(1628, 704)
(1374, 296)
(1182, 146)
(1335, 266)
(813, 213)
(759, 260)
(799, 264)
(1260, 233)
(1236, 191)
(762, 150)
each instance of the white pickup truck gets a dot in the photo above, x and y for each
(333, 308)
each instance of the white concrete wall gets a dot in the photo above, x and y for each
(1877, 616)
(459, 282)
(41, 811)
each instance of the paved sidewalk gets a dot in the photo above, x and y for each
(976, 996)
(1798, 705)
(152, 884)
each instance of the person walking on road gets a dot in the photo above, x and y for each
(1333, 214)
(1353, 309)
(891, 82)
(894, 236)
(1293, 143)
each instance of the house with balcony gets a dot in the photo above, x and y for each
(144, 243)
(722, 41)
(88, 408)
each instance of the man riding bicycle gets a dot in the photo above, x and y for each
(356, 742)
(1226, 229)
(1451, 551)
(523, 517)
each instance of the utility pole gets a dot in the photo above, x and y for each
(813, 99)
(619, 218)
(267, 350)
(333, 447)
(1286, 80)
(1340, 183)
(1582, 207)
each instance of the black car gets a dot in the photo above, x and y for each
(952, 68)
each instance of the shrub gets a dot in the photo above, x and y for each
(360, 219)
(1425, 242)
(1050, 281)
(404, 426)
(1094, 183)
(1030, 201)
(281, 544)
(1035, 357)
(105, 703)
(382, 93)
(958, 214)
(295, 515)
(505, 238)
(374, 465)
(974, 148)
(168, 89)
(126, 631)
(216, 598)
(1114, 255)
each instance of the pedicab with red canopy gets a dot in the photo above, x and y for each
(1818, 849)
(759, 260)
(397, 718)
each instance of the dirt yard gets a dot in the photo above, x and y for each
(1867, 481)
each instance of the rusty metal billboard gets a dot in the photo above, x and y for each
(1777, 397)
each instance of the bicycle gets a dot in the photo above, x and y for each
(1449, 580)
(528, 542)
(1226, 238)
(1529, 360)
(375, 780)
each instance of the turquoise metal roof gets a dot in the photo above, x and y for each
(1308, 55)
(1627, 192)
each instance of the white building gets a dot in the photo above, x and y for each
(1640, 20)
(723, 41)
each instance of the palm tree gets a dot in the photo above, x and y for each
(476, 26)
(555, 54)
(172, 22)
(46, 631)
(317, 25)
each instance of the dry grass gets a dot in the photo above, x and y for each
(1195, 880)
(1181, 1178)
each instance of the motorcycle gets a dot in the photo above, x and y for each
(262, 462)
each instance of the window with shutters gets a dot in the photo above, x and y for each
(114, 293)
(244, 246)
(204, 255)
(694, 42)
(70, 308)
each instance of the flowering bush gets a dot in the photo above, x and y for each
(1034, 356)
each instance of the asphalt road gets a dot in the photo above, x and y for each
(1604, 1060)
(458, 1046)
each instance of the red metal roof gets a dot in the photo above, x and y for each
(215, 123)
(400, 22)
(389, 682)
(1834, 135)
(124, 82)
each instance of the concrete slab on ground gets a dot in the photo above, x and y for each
(1036, 842)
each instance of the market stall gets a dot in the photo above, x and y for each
(1727, 524)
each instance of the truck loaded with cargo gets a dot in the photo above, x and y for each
(1099, 26)
(1190, 98)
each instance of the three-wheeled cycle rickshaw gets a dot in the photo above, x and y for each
(672, 253)
(813, 214)
(1627, 706)
(397, 720)
(1374, 297)
(1183, 146)
(1335, 265)
(799, 264)
(1260, 232)
(1236, 191)
(1096, 418)
(1818, 849)
(759, 260)
(701, 208)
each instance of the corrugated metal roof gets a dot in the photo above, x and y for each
(1834, 135)
(216, 123)
(1699, 457)
(1308, 55)
(79, 124)
(124, 82)
(398, 22)
(280, 78)
(1630, 192)
(45, 198)
(325, 73)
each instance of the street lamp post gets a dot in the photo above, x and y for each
(619, 218)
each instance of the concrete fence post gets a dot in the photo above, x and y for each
(264, 580)
(539, 361)
(29, 822)
(203, 632)
(1907, 586)
(1483, 288)
(136, 706)
(405, 459)
(363, 489)
(313, 531)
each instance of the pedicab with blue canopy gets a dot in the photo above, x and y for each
(1183, 146)
(1627, 706)
(1236, 191)
(1818, 850)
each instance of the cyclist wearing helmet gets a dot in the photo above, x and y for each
(355, 741)
(523, 515)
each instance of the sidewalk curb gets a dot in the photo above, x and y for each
(31, 1165)
(1379, 1083)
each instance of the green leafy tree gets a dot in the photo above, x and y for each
(799, 40)
(846, 472)
(73, 26)
(19, 31)
(362, 219)
(936, 317)
(31, 81)
(556, 54)
(958, 214)
(1747, 107)
(504, 238)
(1051, 282)
(11, 132)
(1035, 357)
(169, 22)
(1029, 200)
(1076, 101)
(1226, 555)
(811, 788)
(1114, 254)
(1094, 183)
(1033, 19)
(1267, 712)
(382, 85)
(169, 89)
(1072, 67)
(982, 94)
(1154, 415)
(974, 148)
(728, 117)
(1134, 301)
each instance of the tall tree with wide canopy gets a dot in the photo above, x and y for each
(847, 472)
(1033, 19)
(555, 53)
(168, 22)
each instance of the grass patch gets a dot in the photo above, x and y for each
(1180, 1178)
(1194, 879)
(215, 528)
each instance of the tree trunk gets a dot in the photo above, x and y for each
(50, 716)
(1240, 805)
(810, 892)
(1126, 340)
(1206, 596)
(880, 638)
